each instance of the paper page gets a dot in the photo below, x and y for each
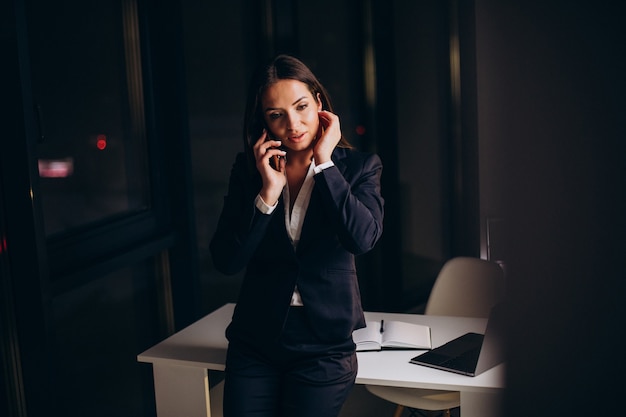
(407, 335)
(368, 338)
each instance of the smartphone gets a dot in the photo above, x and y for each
(274, 161)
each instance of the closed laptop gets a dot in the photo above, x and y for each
(470, 354)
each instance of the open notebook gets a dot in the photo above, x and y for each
(472, 353)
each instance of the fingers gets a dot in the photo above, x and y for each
(330, 136)
(264, 148)
(330, 127)
(328, 119)
(268, 154)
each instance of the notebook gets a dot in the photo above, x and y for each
(470, 354)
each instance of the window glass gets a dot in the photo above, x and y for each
(88, 94)
(99, 329)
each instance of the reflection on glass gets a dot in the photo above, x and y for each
(56, 168)
(87, 86)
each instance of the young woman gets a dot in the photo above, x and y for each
(301, 204)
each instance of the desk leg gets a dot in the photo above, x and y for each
(181, 391)
(480, 404)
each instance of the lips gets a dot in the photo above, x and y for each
(297, 137)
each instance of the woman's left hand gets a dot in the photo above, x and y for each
(330, 130)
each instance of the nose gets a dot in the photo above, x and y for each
(292, 121)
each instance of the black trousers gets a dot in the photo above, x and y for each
(294, 377)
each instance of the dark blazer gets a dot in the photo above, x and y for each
(344, 219)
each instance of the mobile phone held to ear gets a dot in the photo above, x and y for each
(274, 160)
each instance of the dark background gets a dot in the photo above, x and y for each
(501, 129)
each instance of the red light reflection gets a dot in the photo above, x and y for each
(101, 142)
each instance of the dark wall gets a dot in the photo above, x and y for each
(551, 112)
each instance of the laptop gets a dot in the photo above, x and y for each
(470, 354)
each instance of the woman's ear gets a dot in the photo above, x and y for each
(319, 102)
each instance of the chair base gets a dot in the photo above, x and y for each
(414, 412)
(417, 398)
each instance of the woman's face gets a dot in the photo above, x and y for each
(291, 113)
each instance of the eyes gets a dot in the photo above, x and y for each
(274, 115)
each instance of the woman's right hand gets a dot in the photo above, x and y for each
(274, 179)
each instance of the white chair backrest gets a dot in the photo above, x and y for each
(466, 287)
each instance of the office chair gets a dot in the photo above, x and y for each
(465, 287)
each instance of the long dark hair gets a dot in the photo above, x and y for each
(282, 67)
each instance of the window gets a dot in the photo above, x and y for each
(88, 92)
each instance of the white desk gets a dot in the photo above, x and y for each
(182, 361)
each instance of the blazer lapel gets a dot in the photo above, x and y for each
(311, 221)
(315, 220)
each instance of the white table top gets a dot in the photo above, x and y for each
(203, 344)
(392, 368)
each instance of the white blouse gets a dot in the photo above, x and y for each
(294, 218)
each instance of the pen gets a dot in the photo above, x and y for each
(382, 323)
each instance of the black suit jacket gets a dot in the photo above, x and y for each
(344, 219)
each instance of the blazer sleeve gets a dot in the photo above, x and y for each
(351, 195)
(241, 226)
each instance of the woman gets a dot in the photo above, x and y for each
(301, 204)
